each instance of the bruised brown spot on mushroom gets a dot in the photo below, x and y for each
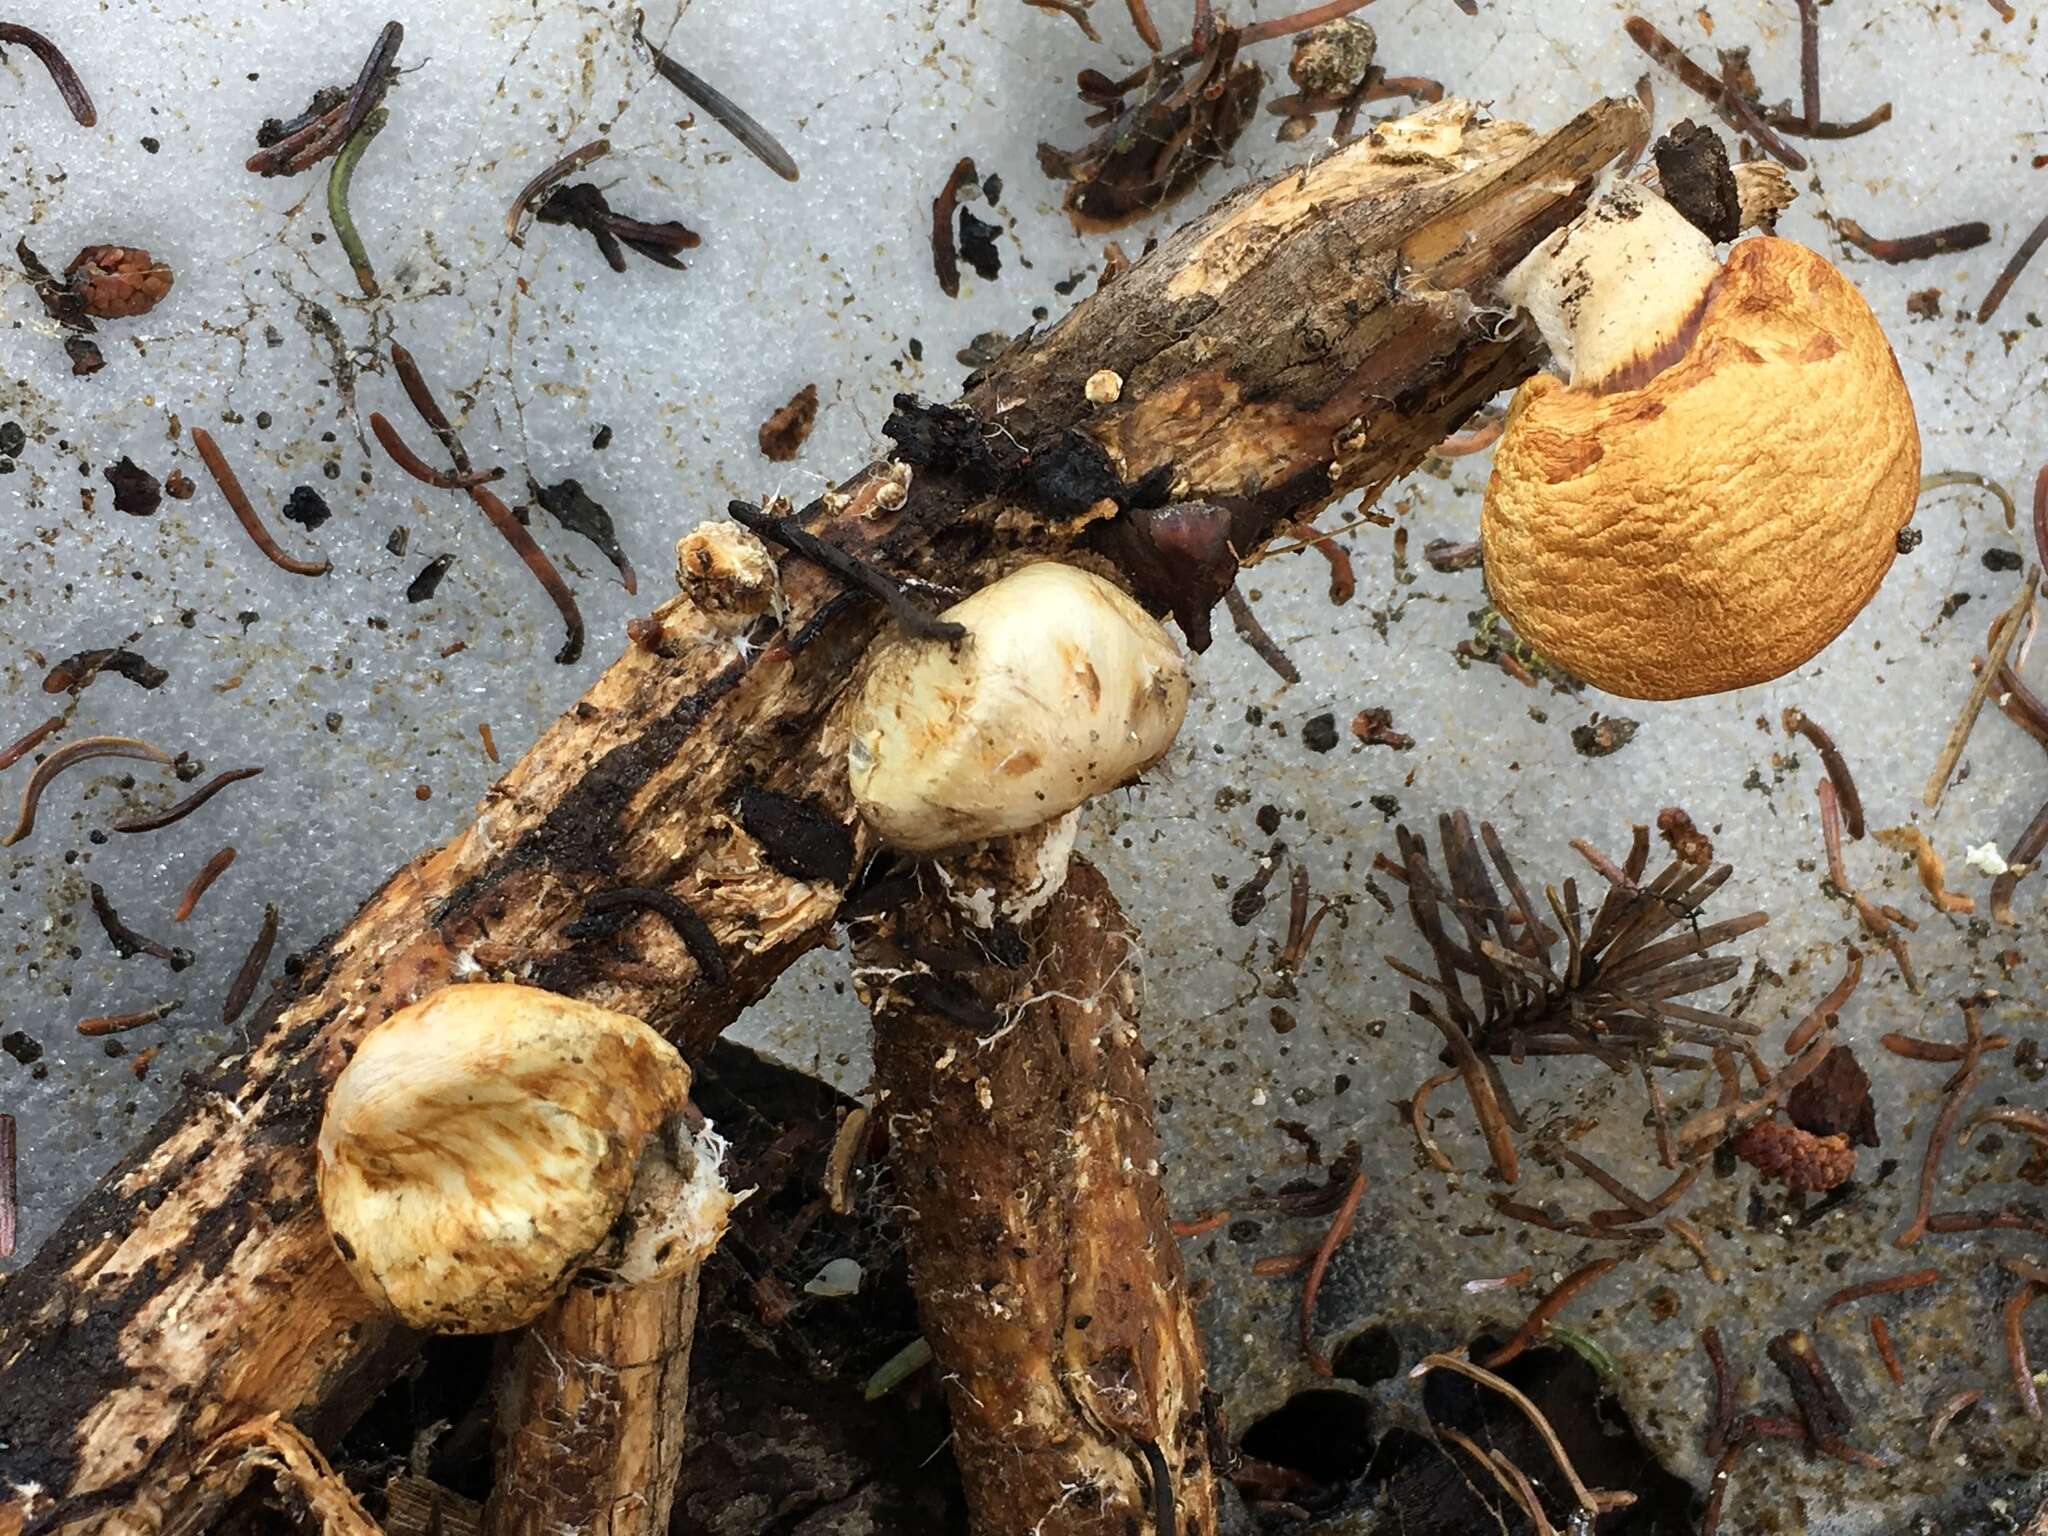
(1565, 459)
(1819, 348)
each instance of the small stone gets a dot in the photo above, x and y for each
(2003, 560)
(12, 439)
(306, 507)
(1105, 386)
(136, 491)
(1320, 733)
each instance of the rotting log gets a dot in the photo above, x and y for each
(1310, 336)
(1048, 1281)
(593, 1405)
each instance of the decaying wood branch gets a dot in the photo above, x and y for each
(592, 1413)
(1048, 1283)
(1310, 336)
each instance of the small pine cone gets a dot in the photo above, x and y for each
(1796, 1158)
(116, 281)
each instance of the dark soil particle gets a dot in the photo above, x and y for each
(306, 508)
(2003, 560)
(136, 491)
(1320, 733)
(978, 245)
(1692, 165)
(424, 585)
(1600, 737)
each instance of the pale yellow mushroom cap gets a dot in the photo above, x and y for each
(481, 1145)
(1719, 524)
(1064, 688)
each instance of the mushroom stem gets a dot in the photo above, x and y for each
(1616, 291)
(592, 1396)
(1048, 1282)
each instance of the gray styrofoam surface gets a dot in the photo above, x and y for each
(829, 281)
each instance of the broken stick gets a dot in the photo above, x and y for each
(1048, 1283)
(1309, 337)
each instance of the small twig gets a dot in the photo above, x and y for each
(1881, 1336)
(245, 514)
(1340, 1228)
(338, 214)
(1749, 119)
(567, 166)
(2029, 1122)
(1515, 1487)
(1300, 21)
(1936, 242)
(1552, 1303)
(758, 141)
(2025, 854)
(244, 985)
(2013, 269)
(1821, 1407)
(126, 941)
(121, 1023)
(1943, 478)
(189, 804)
(86, 749)
(79, 103)
(1910, 1281)
(1254, 635)
(29, 741)
(209, 872)
(1791, 123)
(849, 568)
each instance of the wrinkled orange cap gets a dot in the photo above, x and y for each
(1719, 524)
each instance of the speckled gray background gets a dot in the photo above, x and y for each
(341, 690)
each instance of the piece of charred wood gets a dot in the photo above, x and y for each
(1272, 362)
(1048, 1282)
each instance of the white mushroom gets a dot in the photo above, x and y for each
(490, 1142)
(1064, 688)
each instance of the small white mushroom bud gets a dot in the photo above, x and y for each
(488, 1143)
(728, 574)
(1063, 688)
(1105, 386)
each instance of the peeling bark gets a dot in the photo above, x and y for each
(595, 1398)
(1048, 1281)
(1313, 335)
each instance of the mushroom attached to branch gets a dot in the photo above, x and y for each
(1717, 490)
(489, 1143)
(1064, 688)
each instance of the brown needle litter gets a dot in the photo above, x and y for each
(1709, 1126)
(326, 134)
(568, 165)
(77, 101)
(759, 142)
(2002, 637)
(1950, 1410)
(2028, 247)
(945, 254)
(1877, 921)
(2016, 1346)
(2032, 1123)
(1821, 1406)
(402, 455)
(1689, 1235)
(1912, 1280)
(1420, 1123)
(1340, 1228)
(1753, 1430)
(86, 749)
(1300, 21)
(1256, 638)
(1552, 1303)
(1141, 20)
(582, 206)
(1944, 478)
(209, 872)
(1881, 1337)
(120, 1023)
(1958, 1090)
(1936, 242)
(849, 568)
(8, 1207)
(1301, 927)
(245, 514)
(189, 804)
(1751, 121)
(1197, 1226)
(2025, 854)
(1827, 1008)
(1796, 721)
(1595, 1504)
(1722, 1422)
(1809, 61)
(244, 985)
(26, 743)
(509, 527)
